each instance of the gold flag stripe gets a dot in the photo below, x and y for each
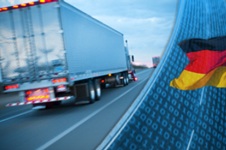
(190, 80)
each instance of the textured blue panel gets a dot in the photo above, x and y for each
(172, 119)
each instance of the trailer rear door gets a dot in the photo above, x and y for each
(31, 43)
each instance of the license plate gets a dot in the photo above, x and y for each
(37, 94)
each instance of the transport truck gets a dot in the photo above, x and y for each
(155, 61)
(51, 51)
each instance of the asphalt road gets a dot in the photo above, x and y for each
(72, 126)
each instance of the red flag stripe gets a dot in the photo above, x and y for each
(205, 60)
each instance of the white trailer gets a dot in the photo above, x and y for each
(51, 51)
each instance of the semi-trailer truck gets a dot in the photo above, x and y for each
(51, 51)
(155, 61)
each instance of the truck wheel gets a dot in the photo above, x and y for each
(91, 91)
(97, 89)
(125, 80)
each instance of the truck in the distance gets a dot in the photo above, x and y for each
(51, 51)
(155, 61)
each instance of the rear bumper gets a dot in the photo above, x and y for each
(40, 101)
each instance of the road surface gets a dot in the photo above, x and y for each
(79, 126)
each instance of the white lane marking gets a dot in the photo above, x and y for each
(189, 144)
(201, 99)
(73, 127)
(21, 114)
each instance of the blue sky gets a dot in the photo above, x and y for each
(146, 24)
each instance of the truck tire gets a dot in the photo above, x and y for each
(91, 91)
(97, 89)
(125, 80)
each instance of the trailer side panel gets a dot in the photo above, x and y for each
(91, 46)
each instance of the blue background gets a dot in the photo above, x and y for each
(172, 119)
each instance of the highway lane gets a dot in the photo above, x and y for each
(69, 126)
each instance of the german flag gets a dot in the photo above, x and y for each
(207, 64)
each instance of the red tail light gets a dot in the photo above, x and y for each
(135, 79)
(10, 87)
(59, 80)
(37, 94)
